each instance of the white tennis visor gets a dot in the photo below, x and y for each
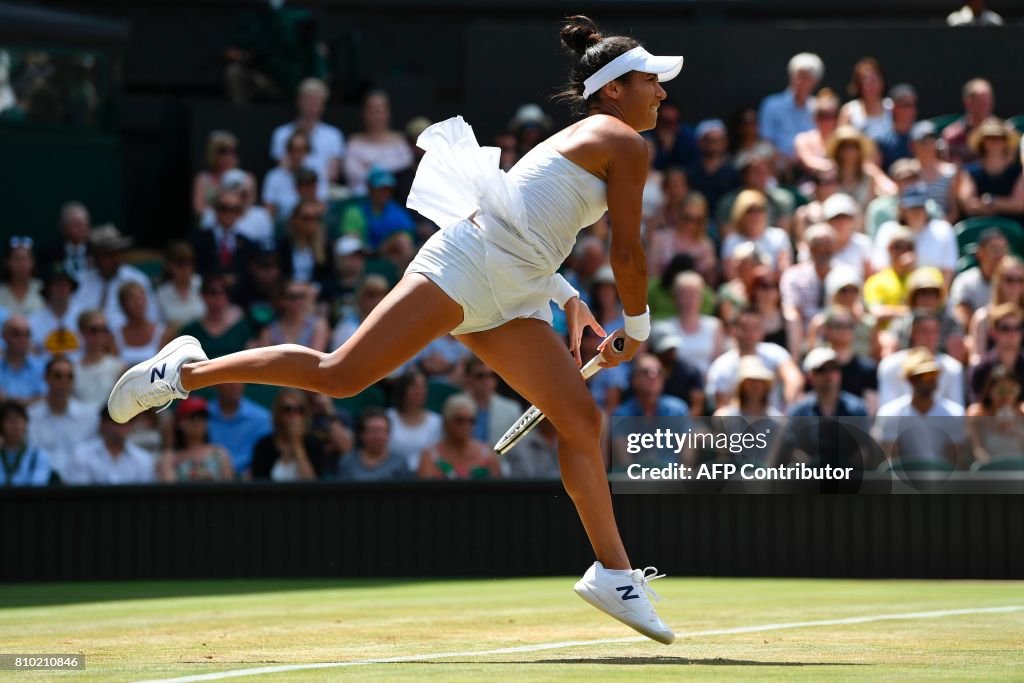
(637, 59)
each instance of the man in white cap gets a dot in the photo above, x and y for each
(907, 428)
(826, 441)
(821, 365)
(853, 247)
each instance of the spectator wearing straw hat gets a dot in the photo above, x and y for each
(994, 184)
(899, 427)
(98, 287)
(925, 331)
(854, 156)
(926, 291)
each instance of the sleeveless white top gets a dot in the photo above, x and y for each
(529, 217)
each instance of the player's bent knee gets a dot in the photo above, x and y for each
(581, 425)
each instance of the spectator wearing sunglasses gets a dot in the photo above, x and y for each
(98, 368)
(20, 292)
(221, 158)
(290, 452)
(1007, 319)
(224, 248)
(60, 422)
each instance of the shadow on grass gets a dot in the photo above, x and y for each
(661, 660)
(48, 594)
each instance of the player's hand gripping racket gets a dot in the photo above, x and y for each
(532, 417)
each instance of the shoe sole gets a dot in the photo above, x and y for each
(590, 595)
(168, 350)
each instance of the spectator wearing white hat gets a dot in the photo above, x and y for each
(843, 290)
(530, 126)
(906, 426)
(788, 113)
(827, 399)
(852, 247)
(934, 239)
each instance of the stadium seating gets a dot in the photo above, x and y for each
(1002, 464)
(943, 120)
(968, 230)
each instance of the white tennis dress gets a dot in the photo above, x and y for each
(503, 236)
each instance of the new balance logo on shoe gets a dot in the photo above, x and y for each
(627, 592)
(157, 373)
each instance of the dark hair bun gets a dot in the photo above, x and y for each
(579, 33)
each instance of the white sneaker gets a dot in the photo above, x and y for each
(155, 382)
(623, 595)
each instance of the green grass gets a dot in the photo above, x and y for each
(131, 631)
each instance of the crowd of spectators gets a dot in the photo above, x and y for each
(803, 261)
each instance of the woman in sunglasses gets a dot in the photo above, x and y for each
(458, 455)
(290, 452)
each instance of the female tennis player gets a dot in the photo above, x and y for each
(488, 276)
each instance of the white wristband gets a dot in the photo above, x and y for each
(638, 326)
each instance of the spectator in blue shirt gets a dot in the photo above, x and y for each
(894, 143)
(21, 463)
(840, 443)
(236, 423)
(674, 141)
(789, 112)
(378, 217)
(21, 376)
(649, 399)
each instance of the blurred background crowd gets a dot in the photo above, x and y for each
(816, 253)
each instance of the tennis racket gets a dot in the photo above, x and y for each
(532, 417)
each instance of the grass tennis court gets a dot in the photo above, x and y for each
(151, 630)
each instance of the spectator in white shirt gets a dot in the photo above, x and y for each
(280, 186)
(326, 142)
(98, 288)
(59, 422)
(934, 239)
(110, 458)
(907, 428)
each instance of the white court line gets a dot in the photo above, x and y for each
(236, 673)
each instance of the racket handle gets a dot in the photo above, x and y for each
(592, 366)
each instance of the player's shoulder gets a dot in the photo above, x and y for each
(612, 133)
